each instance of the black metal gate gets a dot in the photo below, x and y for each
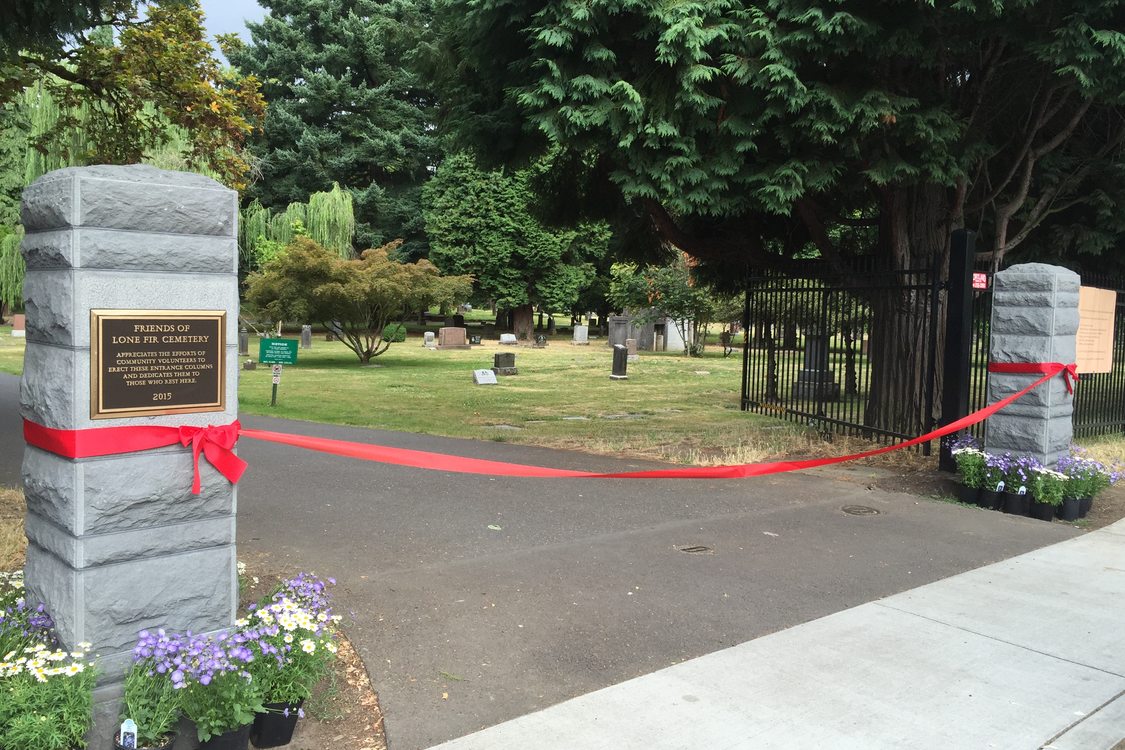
(817, 344)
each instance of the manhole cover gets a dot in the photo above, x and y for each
(695, 549)
(859, 510)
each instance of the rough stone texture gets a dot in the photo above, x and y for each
(102, 549)
(119, 543)
(62, 299)
(109, 604)
(135, 197)
(1034, 319)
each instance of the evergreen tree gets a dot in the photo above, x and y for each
(479, 223)
(747, 131)
(344, 108)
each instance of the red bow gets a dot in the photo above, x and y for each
(1069, 372)
(214, 442)
(217, 444)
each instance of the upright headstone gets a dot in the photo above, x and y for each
(132, 308)
(452, 338)
(620, 363)
(631, 350)
(306, 337)
(504, 363)
(620, 326)
(1034, 319)
(428, 340)
(581, 335)
(509, 339)
(243, 342)
(816, 381)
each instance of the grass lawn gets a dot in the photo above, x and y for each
(672, 407)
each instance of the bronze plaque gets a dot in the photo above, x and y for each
(145, 362)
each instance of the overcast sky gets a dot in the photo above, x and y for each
(224, 16)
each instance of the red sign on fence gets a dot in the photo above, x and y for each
(980, 281)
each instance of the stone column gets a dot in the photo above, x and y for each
(119, 543)
(1034, 319)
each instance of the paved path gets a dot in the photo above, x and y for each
(1026, 653)
(582, 586)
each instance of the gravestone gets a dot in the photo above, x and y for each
(620, 363)
(458, 321)
(306, 337)
(249, 365)
(243, 342)
(620, 328)
(452, 338)
(816, 381)
(504, 363)
(484, 377)
(581, 335)
(631, 350)
(540, 341)
(124, 262)
(1034, 319)
(474, 339)
(509, 339)
(428, 340)
(551, 327)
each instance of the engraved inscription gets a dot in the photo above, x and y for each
(156, 363)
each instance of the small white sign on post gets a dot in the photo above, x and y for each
(484, 377)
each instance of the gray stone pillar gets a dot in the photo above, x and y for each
(306, 337)
(1034, 319)
(119, 543)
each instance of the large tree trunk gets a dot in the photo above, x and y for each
(523, 322)
(913, 235)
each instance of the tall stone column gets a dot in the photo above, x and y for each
(1034, 319)
(119, 543)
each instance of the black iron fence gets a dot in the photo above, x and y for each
(849, 353)
(1099, 399)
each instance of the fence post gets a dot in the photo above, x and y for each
(958, 337)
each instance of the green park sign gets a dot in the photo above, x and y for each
(278, 352)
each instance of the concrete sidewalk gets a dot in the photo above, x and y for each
(1025, 653)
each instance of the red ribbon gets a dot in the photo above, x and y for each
(1070, 372)
(216, 444)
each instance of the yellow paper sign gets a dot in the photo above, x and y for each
(1096, 311)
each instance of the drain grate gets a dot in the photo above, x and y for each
(696, 549)
(859, 510)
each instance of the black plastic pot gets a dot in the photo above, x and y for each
(274, 728)
(1042, 511)
(236, 739)
(968, 494)
(991, 499)
(1016, 505)
(1068, 510)
(1084, 505)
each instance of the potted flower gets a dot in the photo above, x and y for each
(1085, 479)
(970, 467)
(992, 481)
(1047, 488)
(294, 643)
(48, 692)
(150, 699)
(1017, 477)
(215, 691)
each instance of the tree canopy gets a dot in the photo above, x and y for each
(747, 131)
(355, 297)
(132, 84)
(480, 223)
(344, 108)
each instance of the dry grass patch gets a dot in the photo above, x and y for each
(13, 543)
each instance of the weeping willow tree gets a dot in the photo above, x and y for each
(11, 269)
(330, 220)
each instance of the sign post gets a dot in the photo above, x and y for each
(277, 352)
